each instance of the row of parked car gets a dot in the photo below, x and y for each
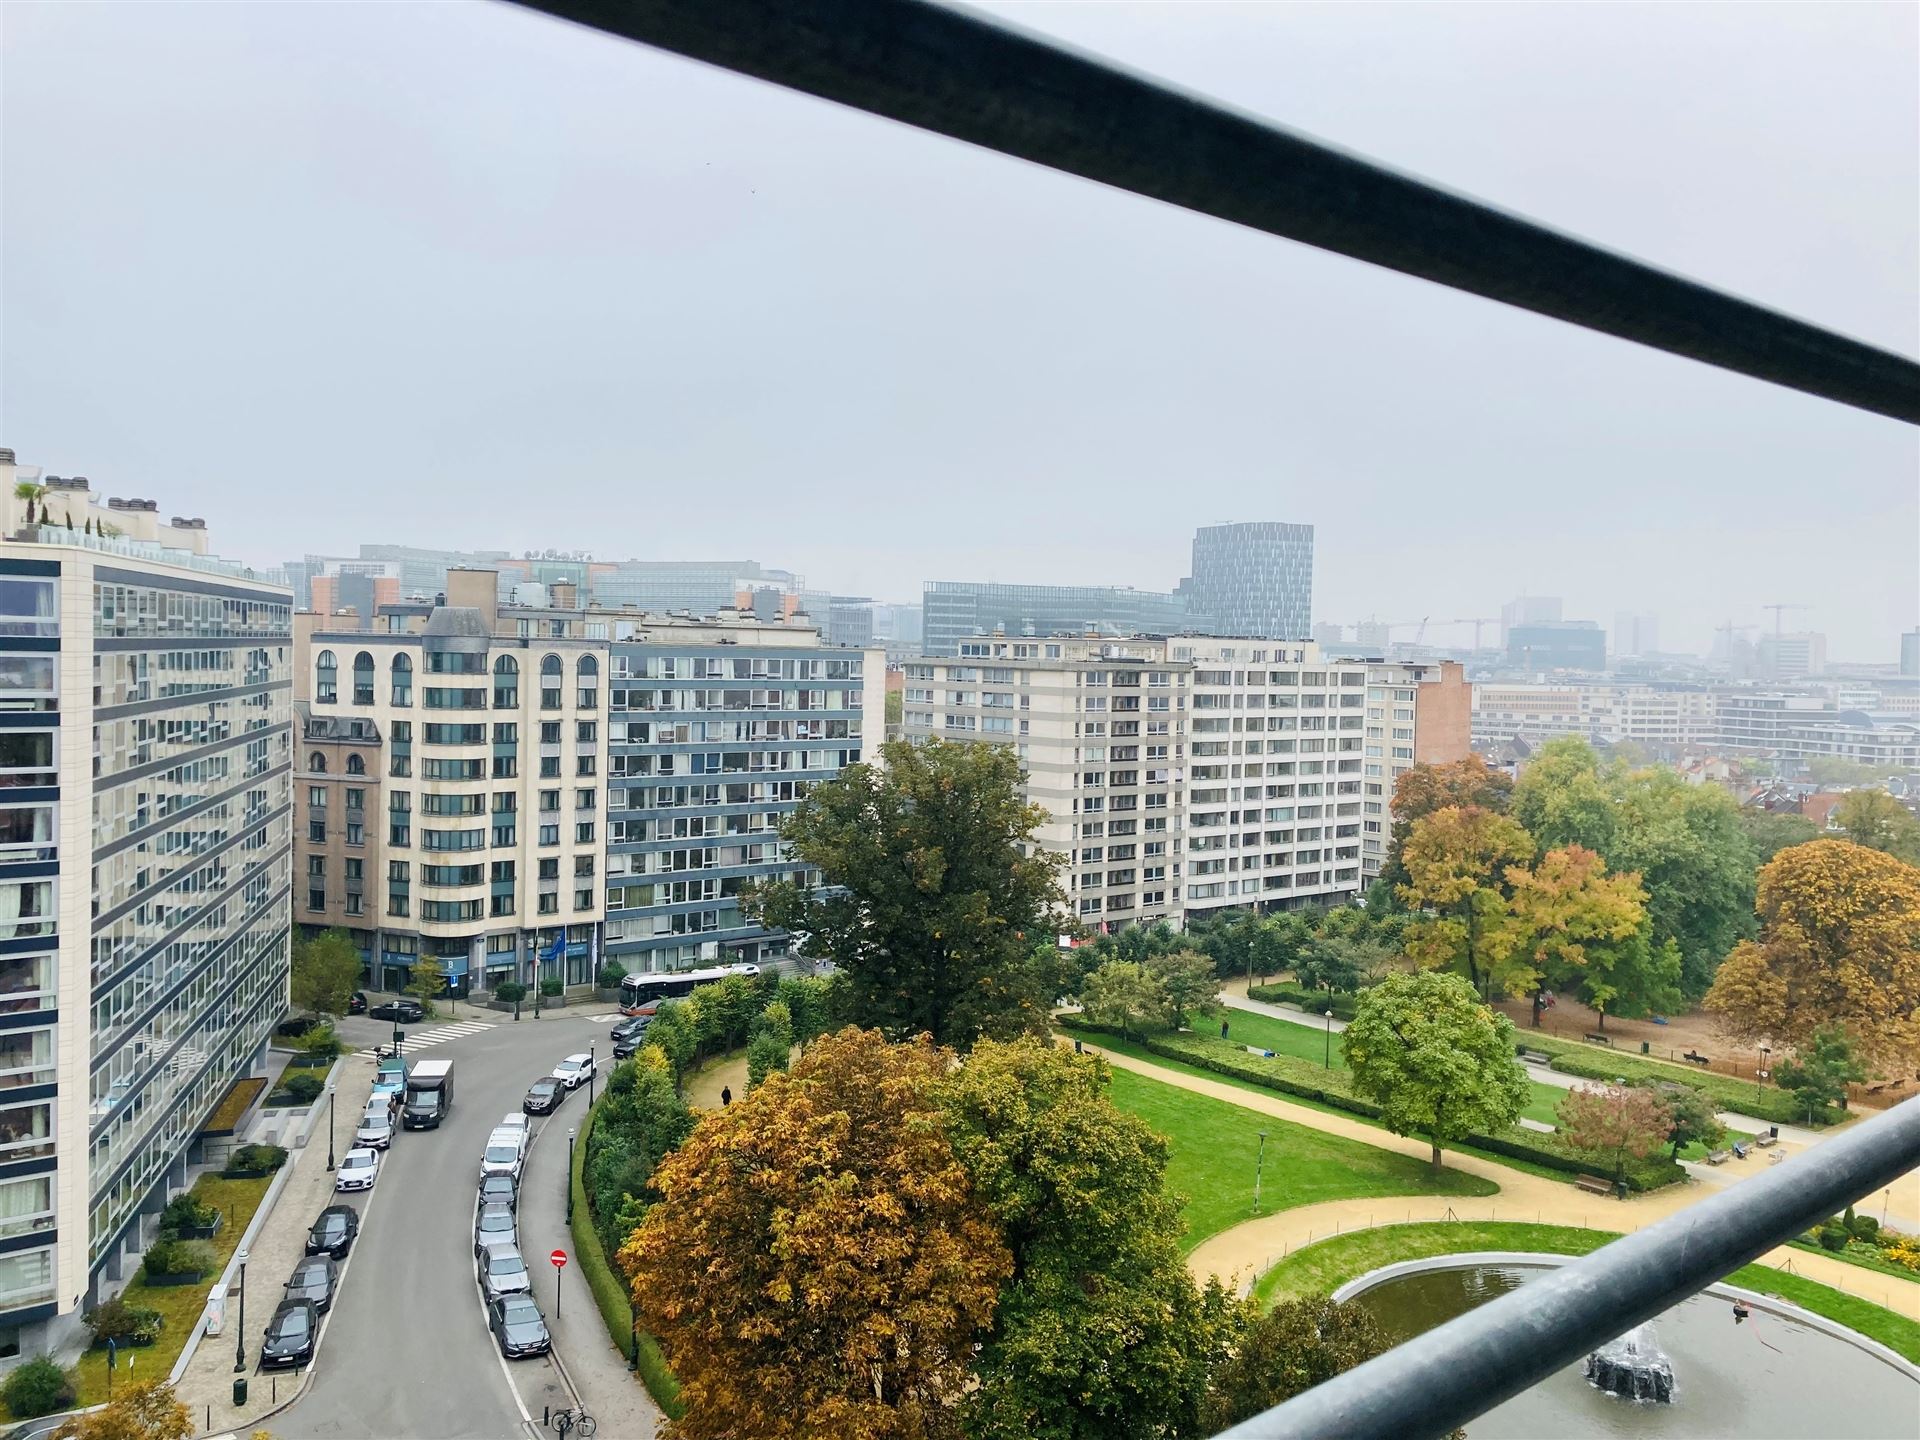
(506, 1286)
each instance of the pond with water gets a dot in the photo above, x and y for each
(1771, 1375)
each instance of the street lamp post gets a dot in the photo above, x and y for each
(592, 1063)
(1326, 1062)
(1259, 1164)
(570, 1135)
(240, 1330)
(633, 1334)
(1760, 1074)
(399, 1037)
(330, 1126)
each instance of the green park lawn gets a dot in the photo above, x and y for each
(1321, 1268)
(1215, 1146)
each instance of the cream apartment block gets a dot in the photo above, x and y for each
(1675, 718)
(1186, 774)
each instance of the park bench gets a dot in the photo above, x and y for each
(1594, 1184)
(1740, 1149)
(1693, 1057)
(1719, 1157)
(1534, 1057)
(1766, 1138)
(1598, 1039)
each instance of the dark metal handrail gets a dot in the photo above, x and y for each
(1464, 1368)
(964, 76)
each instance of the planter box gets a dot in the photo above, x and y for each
(200, 1232)
(126, 1342)
(247, 1174)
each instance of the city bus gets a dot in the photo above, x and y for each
(639, 994)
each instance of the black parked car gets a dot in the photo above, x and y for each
(407, 1012)
(295, 1025)
(357, 1003)
(314, 1279)
(629, 1035)
(516, 1324)
(543, 1096)
(290, 1335)
(499, 1190)
(334, 1232)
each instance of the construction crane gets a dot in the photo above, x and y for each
(1420, 634)
(1778, 612)
(1476, 621)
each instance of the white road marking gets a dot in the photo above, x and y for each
(437, 1036)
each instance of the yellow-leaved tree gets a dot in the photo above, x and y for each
(818, 1265)
(1839, 947)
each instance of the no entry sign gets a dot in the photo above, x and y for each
(559, 1258)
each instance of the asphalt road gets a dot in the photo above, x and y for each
(407, 1352)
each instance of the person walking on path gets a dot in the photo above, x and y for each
(726, 1096)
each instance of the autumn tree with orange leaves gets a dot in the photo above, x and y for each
(1457, 860)
(1574, 926)
(818, 1265)
(1839, 947)
(1426, 788)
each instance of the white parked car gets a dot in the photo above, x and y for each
(358, 1170)
(375, 1131)
(505, 1151)
(573, 1071)
(516, 1121)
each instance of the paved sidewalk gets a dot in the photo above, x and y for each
(1240, 1001)
(1251, 1247)
(206, 1386)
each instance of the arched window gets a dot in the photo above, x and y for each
(506, 665)
(506, 683)
(355, 765)
(551, 666)
(589, 667)
(363, 679)
(317, 763)
(552, 678)
(403, 680)
(588, 672)
(326, 679)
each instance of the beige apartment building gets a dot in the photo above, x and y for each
(449, 784)
(1189, 773)
(1655, 716)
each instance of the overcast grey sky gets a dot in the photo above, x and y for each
(457, 274)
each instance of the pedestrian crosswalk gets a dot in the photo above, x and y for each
(603, 1019)
(439, 1035)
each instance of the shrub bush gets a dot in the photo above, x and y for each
(187, 1211)
(305, 1089)
(1834, 1237)
(551, 988)
(122, 1323)
(180, 1257)
(320, 1042)
(612, 972)
(1314, 1002)
(255, 1160)
(1330, 1087)
(37, 1387)
(510, 991)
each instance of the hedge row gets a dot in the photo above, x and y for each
(1302, 1078)
(1592, 1063)
(1314, 1002)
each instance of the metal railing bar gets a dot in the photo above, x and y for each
(964, 76)
(1444, 1378)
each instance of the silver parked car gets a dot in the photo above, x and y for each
(375, 1131)
(494, 1225)
(502, 1272)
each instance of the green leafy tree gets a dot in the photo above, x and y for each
(896, 707)
(1562, 800)
(1190, 983)
(1078, 1186)
(1128, 998)
(1873, 818)
(673, 1032)
(427, 980)
(1769, 833)
(1820, 1073)
(940, 891)
(1293, 1347)
(1337, 964)
(1437, 1062)
(766, 1053)
(326, 970)
(1281, 941)
(1691, 1114)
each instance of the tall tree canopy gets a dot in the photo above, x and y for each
(1574, 926)
(1839, 946)
(819, 1265)
(1293, 1347)
(1457, 861)
(1686, 842)
(1873, 818)
(1425, 788)
(1614, 1123)
(1100, 1332)
(1771, 833)
(1436, 1061)
(325, 971)
(940, 893)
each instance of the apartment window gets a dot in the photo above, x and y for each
(316, 832)
(317, 866)
(26, 1205)
(506, 683)
(402, 677)
(549, 732)
(505, 767)
(26, 1131)
(326, 679)
(549, 834)
(356, 833)
(363, 679)
(583, 799)
(551, 674)
(316, 897)
(317, 794)
(583, 867)
(583, 833)
(26, 983)
(549, 767)
(549, 904)
(501, 905)
(356, 799)
(583, 899)
(587, 732)
(549, 800)
(550, 867)
(588, 675)
(26, 1278)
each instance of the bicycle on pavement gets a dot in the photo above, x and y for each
(575, 1421)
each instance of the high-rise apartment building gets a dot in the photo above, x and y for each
(957, 610)
(1528, 610)
(1253, 578)
(1635, 635)
(719, 728)
(1793, 655)
(145, 743)
(451, 764)
(1186, 774)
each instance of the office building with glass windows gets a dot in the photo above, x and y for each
(145, 747)
(956, 610)
(719, 728)
(1253, 578)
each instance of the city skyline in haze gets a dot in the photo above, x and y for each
(462, 277)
